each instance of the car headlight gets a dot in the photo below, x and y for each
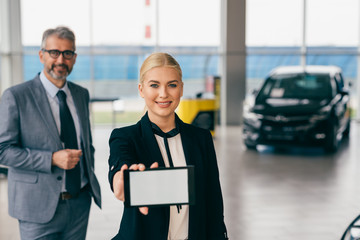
(253, 119)
(321, 115)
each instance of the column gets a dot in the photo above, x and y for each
(11, 53)
(233, 69)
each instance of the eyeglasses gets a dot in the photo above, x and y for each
(67, 54)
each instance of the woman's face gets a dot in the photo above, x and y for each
(162, 89)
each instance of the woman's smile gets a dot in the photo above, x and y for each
(164, 104)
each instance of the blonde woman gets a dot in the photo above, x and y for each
(161, 139)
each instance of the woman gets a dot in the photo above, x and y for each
(161, 139)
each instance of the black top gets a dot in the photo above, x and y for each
(137, 144)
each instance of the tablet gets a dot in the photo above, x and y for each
(160, 187)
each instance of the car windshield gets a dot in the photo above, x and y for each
(297, 86)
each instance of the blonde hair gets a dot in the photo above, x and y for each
(159, 59)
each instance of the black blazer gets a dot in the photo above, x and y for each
(137, 144)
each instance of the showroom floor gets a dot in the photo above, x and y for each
(299, 194)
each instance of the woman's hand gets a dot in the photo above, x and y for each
(118, 182)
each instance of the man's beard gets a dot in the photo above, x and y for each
(59, 77)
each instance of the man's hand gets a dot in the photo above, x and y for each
(118, 182)
(66, 158)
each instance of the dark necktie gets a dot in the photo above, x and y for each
(68, 137)
(167, 135)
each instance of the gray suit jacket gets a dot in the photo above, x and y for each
(28, 137)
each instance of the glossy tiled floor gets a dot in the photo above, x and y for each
(298, 194)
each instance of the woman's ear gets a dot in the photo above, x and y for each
(140, 88)
(182, 88)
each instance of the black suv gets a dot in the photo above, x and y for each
(301, 106)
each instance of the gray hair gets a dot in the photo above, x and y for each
(60, 32)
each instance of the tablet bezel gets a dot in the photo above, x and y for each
(190, 186)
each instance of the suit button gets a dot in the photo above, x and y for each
(59, 178)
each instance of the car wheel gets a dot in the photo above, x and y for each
(346, 133)
(331, 141)
(250, 146)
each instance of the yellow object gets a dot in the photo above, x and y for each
(198, 112)
(217, 81)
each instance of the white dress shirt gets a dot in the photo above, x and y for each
(51, 91)
(179, 221)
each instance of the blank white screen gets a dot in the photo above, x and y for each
(159, 187)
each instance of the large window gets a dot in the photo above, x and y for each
(274, 23)
(332, 23)
(275, 37)
(114, 37)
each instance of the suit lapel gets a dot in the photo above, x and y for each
(79, 106)
(42, 103)
(149, 141)
(189, 146)
(152, 153)
(187, 142)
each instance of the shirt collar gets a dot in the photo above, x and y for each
(159, 132)
(50, 88)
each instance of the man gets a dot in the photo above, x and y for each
(45, 140)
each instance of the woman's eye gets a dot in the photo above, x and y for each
(154, 85)
(173, 85)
